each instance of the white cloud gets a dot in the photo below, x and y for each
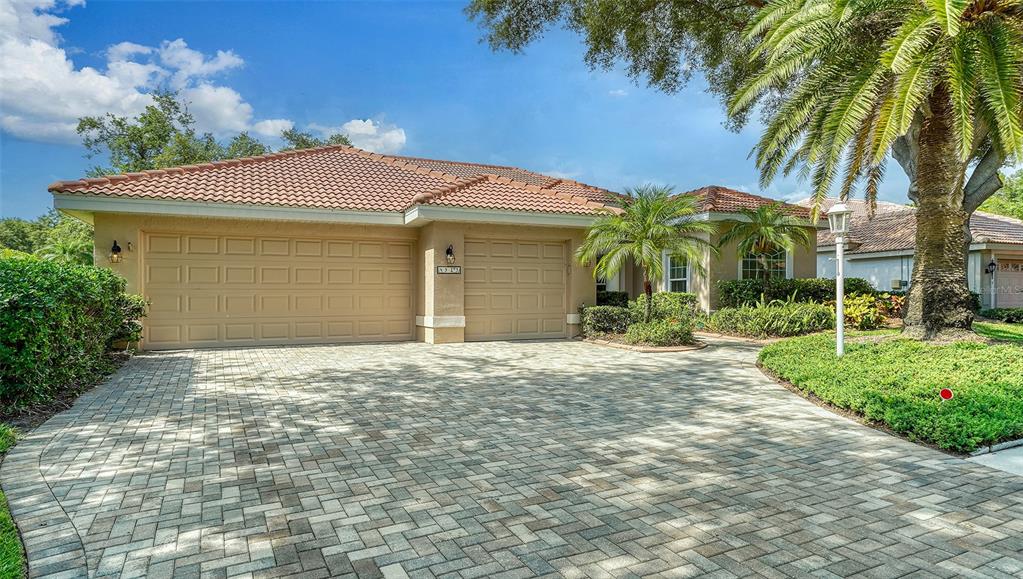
(272, 127)
(43, 93)
(618, 93)
(367, 134)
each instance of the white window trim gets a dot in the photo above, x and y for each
(666, 267)
(789, 266)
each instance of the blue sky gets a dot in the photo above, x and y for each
(411, 78)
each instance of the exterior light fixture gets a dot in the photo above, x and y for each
(115, 253)
(991, 269)
(449, 255)
(838, 221)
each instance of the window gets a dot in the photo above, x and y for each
(678, 274)
(753, 265)
(601, 284)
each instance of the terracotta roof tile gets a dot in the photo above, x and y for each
(725, 200)
(895, 230)
(345, 178)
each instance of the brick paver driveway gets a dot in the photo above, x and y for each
(486, 460)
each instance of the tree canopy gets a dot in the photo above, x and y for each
(164, 135)
(50, 236)
(1008, 200)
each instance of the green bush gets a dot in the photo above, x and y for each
(733, 293)
(601, 320)
(866, 312)
(775, 319)
(666, 332)
(1008, 315)
(896, 382)
(665, 305)
(620, 299)
(56, 323)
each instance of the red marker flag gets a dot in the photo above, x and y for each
(946, 394)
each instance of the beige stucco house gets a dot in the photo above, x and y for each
(337, 244)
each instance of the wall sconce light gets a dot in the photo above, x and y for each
(115, 253)
(130, 248)
(450, 254)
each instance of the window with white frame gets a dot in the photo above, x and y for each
(773, 263)
(678, 274)
(601, 284)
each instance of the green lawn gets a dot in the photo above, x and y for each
(12, 563)
(896, 382)
(1000, 331)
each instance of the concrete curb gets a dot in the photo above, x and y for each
(1000, 446)
(646, 349)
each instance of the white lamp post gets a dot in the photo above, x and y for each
(991, 269)
(838, 221)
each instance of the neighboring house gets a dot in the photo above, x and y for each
(337, 244)
(880, 250)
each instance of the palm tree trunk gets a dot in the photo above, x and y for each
(648, 289)
(939, 302)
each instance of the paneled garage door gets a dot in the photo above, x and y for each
(209, 290)
(514, 290)
(1010, 284)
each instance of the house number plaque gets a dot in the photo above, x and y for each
(449, 269)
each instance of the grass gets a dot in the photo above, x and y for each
(1000, 331)
(895, 382)
(12, 562)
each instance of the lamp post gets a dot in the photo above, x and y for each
(838, 221)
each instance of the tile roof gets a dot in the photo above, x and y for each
(895, 230)
(726, 200)
(346, 178)
(858, 208)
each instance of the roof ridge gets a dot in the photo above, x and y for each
(58, 186)
(552, 193)
(465, 163)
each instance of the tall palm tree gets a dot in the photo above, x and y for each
(651, 222)
(67, 249)
(938, 84)
(765, 230)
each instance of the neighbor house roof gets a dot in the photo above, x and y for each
(716, 198)
(895, 230)
(858, 208)
(346, 178)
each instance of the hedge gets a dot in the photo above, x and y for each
(740, 292)
(620, 299)
(600, 320)
(56, 323)
(1008, 315)
(772, 320)
(668, 332)
(665, 306)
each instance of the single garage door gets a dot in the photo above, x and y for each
(212, 290)
(514, 290)
(1010, 284)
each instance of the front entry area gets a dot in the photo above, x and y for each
(515, 290)
(233, 290)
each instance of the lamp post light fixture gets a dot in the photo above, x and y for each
(838, 222)
(991, 269)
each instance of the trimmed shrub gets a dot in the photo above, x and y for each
(734, 293)
(665, 305)
(600, 320)
(620, 299)
(56, 323)
(667, 332)
(1007, 315)
(772, 320)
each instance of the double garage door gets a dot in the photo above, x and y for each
(215, 290)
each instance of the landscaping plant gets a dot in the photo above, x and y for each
(57, 322)
(664, 305)
(620, 299)
(1008, 315)
(666, 332)
(603, 320)
(650, 223)
(739, 292)
(772, 319)
(896, 382)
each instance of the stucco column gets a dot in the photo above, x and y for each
(582, 287)
(440, 317)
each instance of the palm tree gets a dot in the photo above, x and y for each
(938, 84)
(651, 222)
(765, 230)
(66, 249)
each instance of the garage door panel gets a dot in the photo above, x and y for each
(210, 290)
(514, 290)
